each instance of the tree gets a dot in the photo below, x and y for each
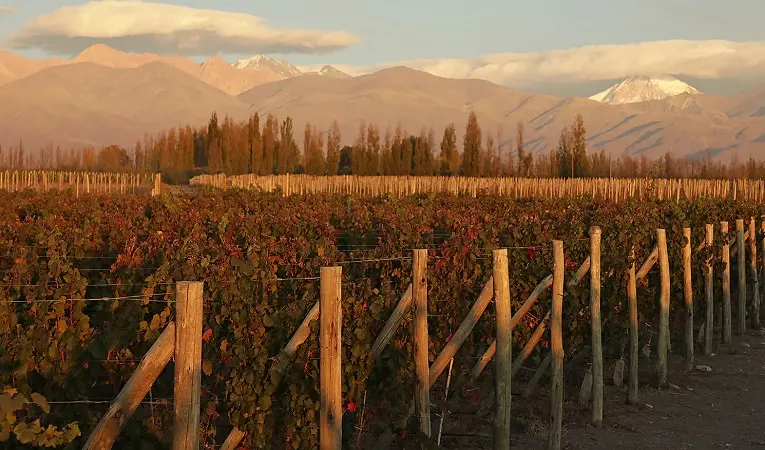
(269, 135)
(360, 160)
(471, 147)
(333, 148)
(346, 161)
(578, 146)
(114, 159)
(287, 157)
(313, 150)
(563, 156)
(449, 157)
(254, 144)
(373, 150)
(520, 147)
(422, 153)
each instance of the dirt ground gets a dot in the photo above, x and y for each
(723, 408)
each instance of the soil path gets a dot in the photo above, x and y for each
(724, 408)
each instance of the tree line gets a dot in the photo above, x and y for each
(270, 146)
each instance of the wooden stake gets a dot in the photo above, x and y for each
(504, 341)
(632, 389)
(134, 391)
(233, 439)
(529, 389)
(330, 365)
(556, 339)
(392, 324)
(420, 294)
(755, 275)
(463, 331)
(188, 365)
(741, 266)
(726, 310)
(597, 349)
(688, 296)
(709, 293)
(663, 342)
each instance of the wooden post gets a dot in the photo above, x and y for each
(632, 389)
(421, 366)
(330, 366)
(529, 389)
(709, 293)
(688, 296)
(726, 310)
(392, 324)
(504, 341)
(463, 331)
(663, 344)
(233, 439)
(188, 365)
(105, 433)
(762, 229)
(741, 266)
(556, 344)
(755, 275)
(597, 349)
(300, 335)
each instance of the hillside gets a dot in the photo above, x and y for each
(418, 99)
(115, 97)
(85, 103)
(750, 103)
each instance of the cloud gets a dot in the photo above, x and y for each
(711, 59)
(138, 26)
(4, 9)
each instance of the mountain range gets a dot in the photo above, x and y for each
(104, 96)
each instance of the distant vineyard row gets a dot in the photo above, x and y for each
(258, 255)
(615, 189)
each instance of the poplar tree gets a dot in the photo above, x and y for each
(471, 147)
(313, 151)
(269, 143)
(334, 137)
(254, 144)
(449, 151)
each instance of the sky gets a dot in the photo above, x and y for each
(551, 45)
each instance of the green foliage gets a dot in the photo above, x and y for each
(19, 426)
(254, 252)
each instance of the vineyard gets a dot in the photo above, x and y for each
(88, 286)
(615, 189)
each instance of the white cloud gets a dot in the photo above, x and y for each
(711, 59)
(138, 26)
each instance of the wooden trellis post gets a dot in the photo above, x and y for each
(597, 349)
(688, 296)
(726, 306)
(420, 294)
(556, 345)
(330, 366)
(503, 368)
(663, 341)
(187, 384)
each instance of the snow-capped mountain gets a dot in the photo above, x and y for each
(642, 88)
(283, 68)
(332, 72)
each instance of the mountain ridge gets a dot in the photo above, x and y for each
(87, 103)
(643, 88)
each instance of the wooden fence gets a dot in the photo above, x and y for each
(183, 339)
(80, 182)
(612, 188)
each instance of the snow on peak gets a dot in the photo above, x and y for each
(280, 67)
(643, 88)
(332, 72)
